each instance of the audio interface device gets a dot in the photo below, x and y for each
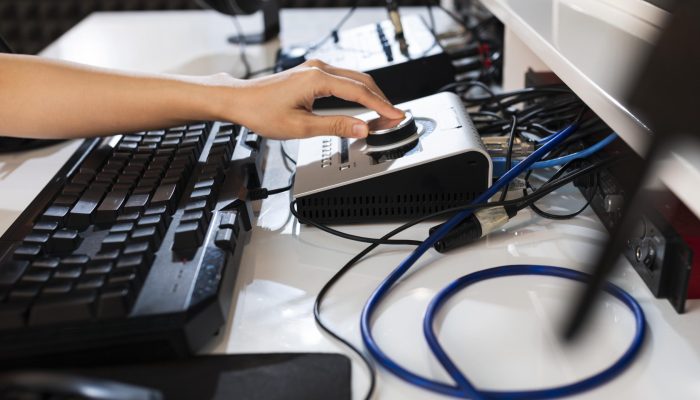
(431, 160)
(403, 73)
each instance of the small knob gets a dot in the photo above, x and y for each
(385, 132)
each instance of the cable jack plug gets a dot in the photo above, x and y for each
(474, 227)
(258, 194)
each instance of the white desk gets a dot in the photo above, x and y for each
(502, 333)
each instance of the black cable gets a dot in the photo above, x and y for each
(335, 232)
(553, 178)
(549, 215)
(263, 193)
(262, 71)
(241, 43)
(338, 275)
(285, 154)
(544, 190)
(431, 16)
(509, 153)
(5, 47)
(335, 30)
(505, 95)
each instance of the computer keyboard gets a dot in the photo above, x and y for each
(132, 249)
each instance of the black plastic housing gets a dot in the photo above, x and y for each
(402, 195)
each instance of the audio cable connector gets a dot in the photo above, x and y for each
(476, 226)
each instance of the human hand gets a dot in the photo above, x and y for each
(279, 106)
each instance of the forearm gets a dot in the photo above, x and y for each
(44, 98)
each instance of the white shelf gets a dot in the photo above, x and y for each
(594, 46)
(597, 47)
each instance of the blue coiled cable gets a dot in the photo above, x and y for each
(464, 389)
(551, 393)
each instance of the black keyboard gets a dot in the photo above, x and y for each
(132, 250)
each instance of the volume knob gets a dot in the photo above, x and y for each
(385, 132)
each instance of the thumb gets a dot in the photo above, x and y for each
(337, 125)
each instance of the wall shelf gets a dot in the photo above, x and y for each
(596, 48)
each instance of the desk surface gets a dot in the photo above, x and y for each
(502, 333)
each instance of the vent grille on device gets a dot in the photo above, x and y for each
(339, 209)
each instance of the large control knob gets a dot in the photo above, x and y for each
(391, 138)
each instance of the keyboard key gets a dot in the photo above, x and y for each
(132, 138)
(45, 226)
(94, 161)
(105, 256)
(128, 217)
(158, 221)
(123, 227)
(27, 252)
(83, 177)
(37, 238)
(204, 184)
(81, 214)
(136, 248)
(24, 292)
(55, 214)
(226, 239)
(114, 241)
(127, 146)
(76, 260)
(90, 282)
(36, 275)
(71, 307)
(201, 194)
(169, 143)
(10, 271)
(193, 216)
(106, 177)
(147, 234)
(68, 273)
(138, 263)
(100, 269)
(46, 263)
(197, 205)
(110, 207)
(58, 285)
(67, 200)
(114, 302)
(253, 140)
(165, 195)
(125, 277)
(64, 240)
(136, 202)
(188, 236)
(73, 189)
(155, 210)
(228, 219)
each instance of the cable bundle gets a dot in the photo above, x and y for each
(547, 145)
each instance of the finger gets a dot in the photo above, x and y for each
(358, 76)
(336, 125)
(352, 90)
(347, 73)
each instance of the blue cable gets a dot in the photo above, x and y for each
(499, 162)
(581, 154)
(384, 287)
(463, 388)
(550, 393)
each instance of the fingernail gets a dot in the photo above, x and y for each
(359, 130)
